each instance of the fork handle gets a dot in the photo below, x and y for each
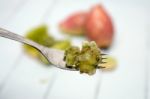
(10, 35)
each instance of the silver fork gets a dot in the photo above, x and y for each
(54, 56)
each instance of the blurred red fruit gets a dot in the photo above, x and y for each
(99, 27)
(75, 24)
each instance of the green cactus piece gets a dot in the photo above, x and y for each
(86, 59)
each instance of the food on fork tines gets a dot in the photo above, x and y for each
(85, 60)
(88, 58)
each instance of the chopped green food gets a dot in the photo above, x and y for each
(40, 35)
(85, 60)
(71, 57)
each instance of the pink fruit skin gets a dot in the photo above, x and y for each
(99, 27)
(74, 24)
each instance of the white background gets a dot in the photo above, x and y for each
(24, 78)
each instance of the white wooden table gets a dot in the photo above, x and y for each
(25, 78)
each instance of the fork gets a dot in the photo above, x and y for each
(54, 56)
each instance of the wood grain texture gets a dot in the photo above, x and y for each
(31, 80)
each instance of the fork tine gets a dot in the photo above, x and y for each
(104, 58)
(99, 67)
(103, 62)
(103, 54)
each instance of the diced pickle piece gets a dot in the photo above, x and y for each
(86, 59)
(89, 58)
(87, 69)
(70, 56)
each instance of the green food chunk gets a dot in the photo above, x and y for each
(86, 59)
(41, 36)
(71, 55)
(89, 58)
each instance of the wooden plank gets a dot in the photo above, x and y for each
(30, 15)
(8, 7)
(128, 80)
